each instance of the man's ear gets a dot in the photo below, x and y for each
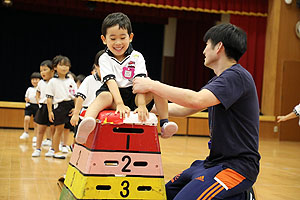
(220, 46)
(131, 37)
(103, 39)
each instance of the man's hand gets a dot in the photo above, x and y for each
(141, 85)
(143, 113)
(122, 109)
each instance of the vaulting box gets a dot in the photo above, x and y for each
(120, 160)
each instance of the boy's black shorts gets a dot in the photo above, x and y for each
(61, 113)
(31, 109)
(127, 96)
(41, 116)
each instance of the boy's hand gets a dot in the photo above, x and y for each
(51, 117)
(143, 113)
(71, 113)
(281, 119)
(74, 120)
(122, 109)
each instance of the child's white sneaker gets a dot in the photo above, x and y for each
(36, 153)
(59, 155)
(50, 153)
(84, 129)
(60, 146)
(168, 129)
(34, 139)
(64, 149)
(47, 142)
(24, 136)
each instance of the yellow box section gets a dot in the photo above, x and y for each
(89, 187)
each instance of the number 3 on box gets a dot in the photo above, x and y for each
(125, 188)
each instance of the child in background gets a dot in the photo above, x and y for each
(63, 147)
(295, 113)
(80, 79)
(31, 106)
(60, 94)
(120, 64)
(41, 117)
(94, 70)
(87, 91)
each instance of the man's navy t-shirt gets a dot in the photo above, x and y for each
(234, 123)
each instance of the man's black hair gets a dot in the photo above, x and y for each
(117, 18)
(233, 38)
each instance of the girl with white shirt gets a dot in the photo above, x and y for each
(31, 106)
(60, 93)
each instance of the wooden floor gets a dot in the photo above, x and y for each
(24, 177)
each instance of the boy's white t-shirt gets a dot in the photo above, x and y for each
(87, 89)
(31, 94)
(123, 72)
(297, 111)
(41, 88)
(61, 89)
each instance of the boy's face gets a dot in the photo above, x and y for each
(34, 81)
(62, 70)
(210, 53)
(117, 41)
(46, 73)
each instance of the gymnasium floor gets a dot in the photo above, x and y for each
(24, 177)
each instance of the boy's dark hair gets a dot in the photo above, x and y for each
(233, 38)
(62, 60)
(97, 57)
(47, 63)
(35, 75)
(73, 75)
(117, 18)
(80, 78)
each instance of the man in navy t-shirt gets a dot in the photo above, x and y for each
(231, 98)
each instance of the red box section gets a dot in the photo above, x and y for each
(105, 138)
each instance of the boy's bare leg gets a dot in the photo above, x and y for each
(49, 136)
(40, 134)
(104, 100)
(167, 128)
(40, 129)
(35, 129)
(59, 129)
(161, 107)
(26, 123)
